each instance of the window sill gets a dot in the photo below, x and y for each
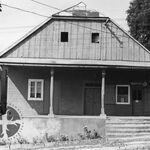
(35, 99)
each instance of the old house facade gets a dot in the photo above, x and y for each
(76, 70)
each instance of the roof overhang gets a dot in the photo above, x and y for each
(73, 63)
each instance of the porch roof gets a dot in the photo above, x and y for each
(73, 63)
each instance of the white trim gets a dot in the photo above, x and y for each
(42, 85)
(123, 103)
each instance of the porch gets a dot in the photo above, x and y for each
(81, 91)
(73, 98)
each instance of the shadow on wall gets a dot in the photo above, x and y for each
(18, 89)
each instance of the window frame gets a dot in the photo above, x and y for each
(29, 89)
(62, 41)
(123, 103)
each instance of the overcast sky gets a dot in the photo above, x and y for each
(15, 23)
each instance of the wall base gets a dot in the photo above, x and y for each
(37, 127)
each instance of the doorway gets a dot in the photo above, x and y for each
(137, 99)
(92, 100)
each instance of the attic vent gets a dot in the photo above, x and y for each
(95, 37)
(64, 36)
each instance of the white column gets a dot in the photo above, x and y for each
(51, 113)
(103, 95)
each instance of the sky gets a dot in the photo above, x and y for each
(15, 23)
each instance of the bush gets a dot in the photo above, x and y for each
(2, 142)
(50, 138)
(37, 140)
(22, 140)
(88, 134)
(63, 138)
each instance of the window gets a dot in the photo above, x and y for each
(122, 94)
(95, 37)
(64, 36)
(35, 89)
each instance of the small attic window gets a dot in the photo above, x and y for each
(95, 38)
(64, 36)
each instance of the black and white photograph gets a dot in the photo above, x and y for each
(74, 75)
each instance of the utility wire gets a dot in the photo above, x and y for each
(15, 27)
(60, 10)
(46, 5)
(25, 10)
(65, 10)
(58, 13)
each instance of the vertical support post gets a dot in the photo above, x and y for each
(51, 113)
(103, 115)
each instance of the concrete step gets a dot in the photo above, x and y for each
(138, 142)
(130, 139)
(128, 122)
(128, 117)
(128, 135)
(120, 120)
(128, 125)
(128, 129)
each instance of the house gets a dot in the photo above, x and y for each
(73, 71)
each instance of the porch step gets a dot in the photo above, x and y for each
(127, 140)
(128, 129)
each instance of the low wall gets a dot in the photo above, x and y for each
(72, 125)
(30, 128)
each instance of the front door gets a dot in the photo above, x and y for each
(92, 101)
(137, 98)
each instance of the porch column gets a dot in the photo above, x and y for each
(102, 95)
(51, 113)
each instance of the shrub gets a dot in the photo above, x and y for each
(2, 142)
(22, 140)
(63, 138)
(88, 134)
(50, 138)
(37, 140)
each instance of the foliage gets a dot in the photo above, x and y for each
(22, 140)
(63, 138)
(50, 138)
(60, 138)
(88, 134)
(38, 140)
(2, 142)
(138, 18)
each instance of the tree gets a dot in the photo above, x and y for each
(138, 19)
(0, 7)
